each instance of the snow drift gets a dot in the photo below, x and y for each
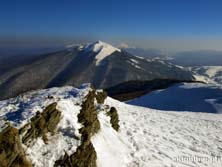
(195, 97)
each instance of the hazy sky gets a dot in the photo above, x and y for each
(164, 24)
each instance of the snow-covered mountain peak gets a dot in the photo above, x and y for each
(102, 49)
(100, 45)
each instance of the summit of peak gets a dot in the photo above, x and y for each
(102, 49)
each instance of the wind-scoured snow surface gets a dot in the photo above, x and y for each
(20, 110)
(146, 137)
(209, 74)
(195, 97)
(102, 49)
(158, 139)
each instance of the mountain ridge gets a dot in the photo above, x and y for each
(145, 136)
(80, 64)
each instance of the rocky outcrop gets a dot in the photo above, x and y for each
(41, 124)
(101, 96)
(85, 155)
(11, 151)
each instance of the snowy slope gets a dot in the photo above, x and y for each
(179, 139)
(209, 74)
(102, 49)
(20, 110)
(194, 97)
(146, 137)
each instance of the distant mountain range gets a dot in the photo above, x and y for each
(208, 74)
(98, 63)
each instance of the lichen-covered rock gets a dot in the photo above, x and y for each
(101, 96)
(41, 124)
(11, 151)
(88, 117)
(85, 155)
(114, 118)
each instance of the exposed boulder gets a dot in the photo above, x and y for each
(114, 118)
(101, 96)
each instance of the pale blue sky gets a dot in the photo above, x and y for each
(165, 24)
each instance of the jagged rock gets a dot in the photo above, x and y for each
(11, 151)
(101, 96)
(88, 116)
(41, 124)
(114, 118)
(85, 155)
